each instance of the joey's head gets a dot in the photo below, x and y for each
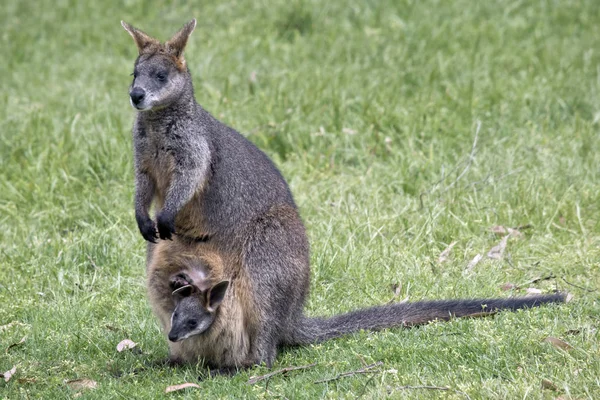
(195, 310)
(160, 74)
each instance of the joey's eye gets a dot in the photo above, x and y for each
(161, 76)
(192, 323)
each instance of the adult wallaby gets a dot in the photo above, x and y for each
(209, 182)
(208, 309)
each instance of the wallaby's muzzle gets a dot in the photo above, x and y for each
(137, 95)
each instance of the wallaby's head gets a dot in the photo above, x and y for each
(195, 309)
(160, 74)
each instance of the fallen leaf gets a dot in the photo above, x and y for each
(532, 290)
(396, 288)
(125, 345)
(514, 232)
(19, 343)
(444, 254)
(26, 380)
(508, 286)
(498, 230)
(569, 298)
(520, 369)
(349, 131)
(573, 332)
(182, 386)
(81, 384)
(523, 227)
(497, 251)
(560, 344)
(8, 374)
(562, 220)
(473, 262)
(546, 384)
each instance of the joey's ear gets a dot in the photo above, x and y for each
(176, 44)
(184, 291)
(216, 294)
(142, 40)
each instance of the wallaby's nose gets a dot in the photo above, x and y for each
(137, 95)
(172, 337)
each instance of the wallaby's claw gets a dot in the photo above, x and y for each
(148, 229)
(166, 225)
(178, 281)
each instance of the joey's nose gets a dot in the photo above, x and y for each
(172, 337)
(137, 95)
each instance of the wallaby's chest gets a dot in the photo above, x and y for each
(156, 157)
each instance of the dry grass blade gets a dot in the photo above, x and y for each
(8, 374)
(560, 344)
(181, 386)
(446, 253)
(366, 370)
(256, 379)
(428, 387)
(497, 251)
(473, 263)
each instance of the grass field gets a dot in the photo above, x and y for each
(401, 126)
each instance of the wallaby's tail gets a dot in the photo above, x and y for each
(311, 330)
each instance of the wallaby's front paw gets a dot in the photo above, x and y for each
(165, 223)
(147, 229)
(179, 281)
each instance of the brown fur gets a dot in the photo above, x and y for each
(173, 48)
(228, 342)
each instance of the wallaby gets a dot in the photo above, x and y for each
(210, 183)
(208, 310)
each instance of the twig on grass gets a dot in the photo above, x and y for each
(427, 387)
(579, 287)
(366, 370)
(285, 370)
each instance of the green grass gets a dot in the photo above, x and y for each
(371, 110)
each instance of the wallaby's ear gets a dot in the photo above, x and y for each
(216, 294)
(176, 44)
(184, 291)
(142, 40)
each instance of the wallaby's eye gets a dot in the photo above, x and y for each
(161, 76)
(192, 323)
(175, 315)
